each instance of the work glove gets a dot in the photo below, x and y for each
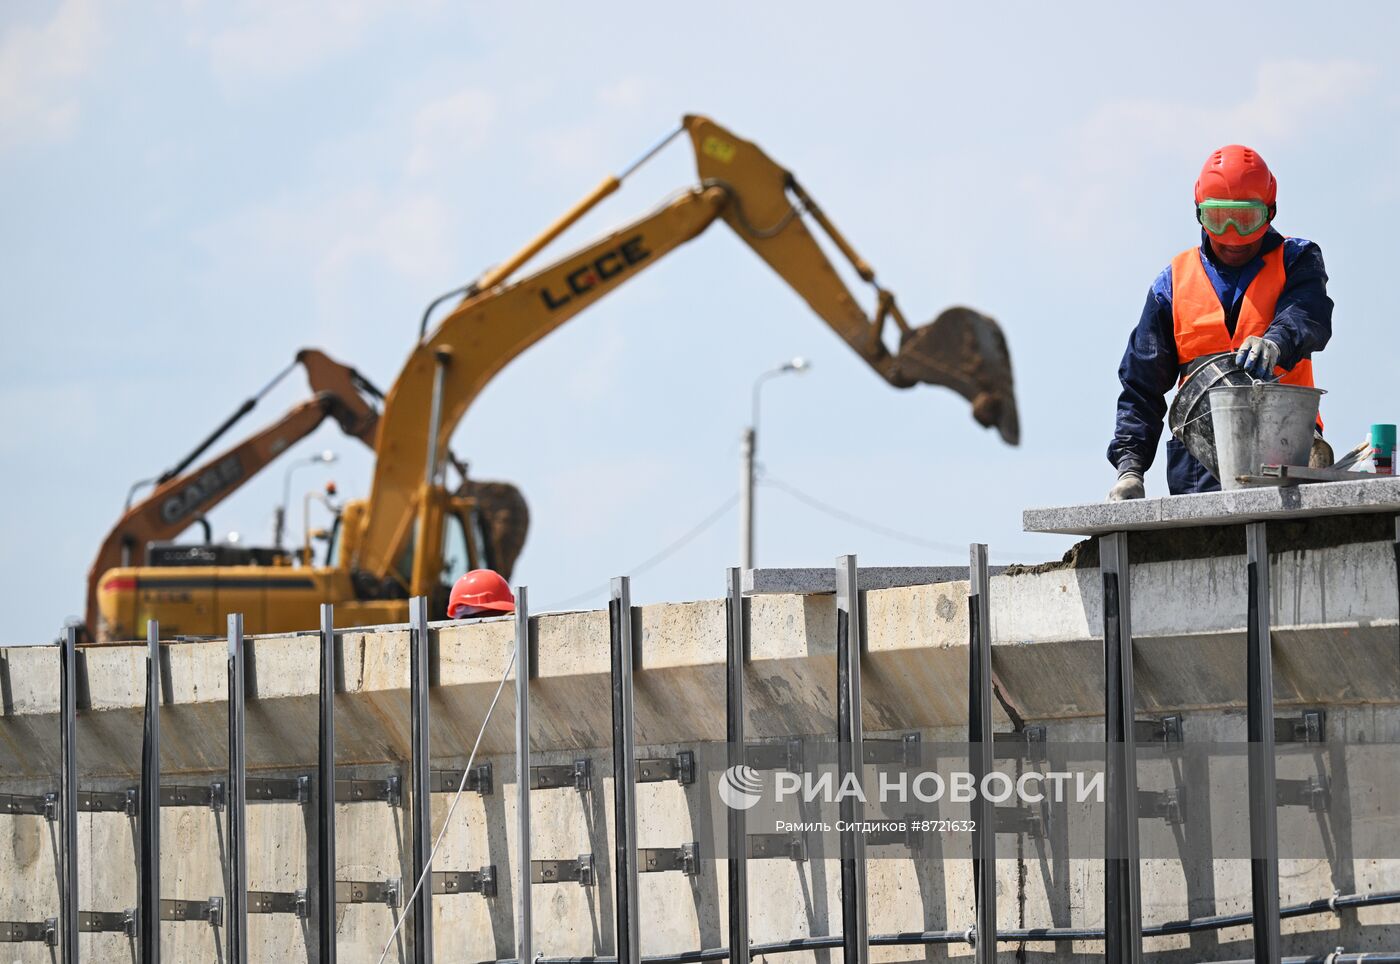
(1128, 486)
(1258, 356)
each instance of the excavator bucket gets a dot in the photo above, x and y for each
(506, 517)
(965, 351)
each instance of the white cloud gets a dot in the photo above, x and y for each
(1287, 101)
(40, 70)
(575, 148)
(1111, 154)
(265, 40)
(625, 93)
(450, 129)
(337, 239)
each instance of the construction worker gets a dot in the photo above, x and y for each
(1246, 289)
(478, 594)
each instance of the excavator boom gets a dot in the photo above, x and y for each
(499, 319)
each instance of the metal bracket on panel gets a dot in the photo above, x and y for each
(1029, 821)
(1027, 744)
(278, 789)
(578, 775)
(45, 806)
(384, 892)
(1165, 805)
(478, 780)
(893, 835)
(107, 922)
(1161, 732)
(1315, 793)
(388, 790)
(903, 750)
(278, 902)
(579, 871)
(481, 881)
(30, 932)
(212, 796)
(209, 911)
(109, 801)
(775, 756)
(655, 860)
(1311, 727)
(680, 768)
(768, 846)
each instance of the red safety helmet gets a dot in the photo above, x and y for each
(1236, 173)
(481, 590)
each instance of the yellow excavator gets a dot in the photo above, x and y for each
(181, 583)
(394, 544)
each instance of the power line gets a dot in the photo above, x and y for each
(844, 516)
(660, 557)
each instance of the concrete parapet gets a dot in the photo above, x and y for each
(1335, 637)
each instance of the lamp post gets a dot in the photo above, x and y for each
(748, 449)
(280, 521)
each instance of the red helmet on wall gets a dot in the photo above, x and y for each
(1233, 181)
(481, 590)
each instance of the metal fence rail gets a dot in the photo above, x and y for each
(1122, 937)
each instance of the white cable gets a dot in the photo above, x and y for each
(461, 788)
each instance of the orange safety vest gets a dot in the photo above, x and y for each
(1198, 318)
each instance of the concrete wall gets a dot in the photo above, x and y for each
(1335, 612)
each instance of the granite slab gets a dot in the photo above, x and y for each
(1372, 494)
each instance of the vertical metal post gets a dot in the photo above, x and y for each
(1122, 885)
(1397, 560)
(325, 794)
(237, 899)
(736, 638)
(624, 773)
(747, 447)
(980, 751)
(850, 736)
(149, 820)
(68, 792)
(1263, 815)
(524, 934)
(422, 777)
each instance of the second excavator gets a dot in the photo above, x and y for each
(390, 546)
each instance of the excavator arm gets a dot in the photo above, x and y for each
(961, 349)
(498, 320)
(181, 498)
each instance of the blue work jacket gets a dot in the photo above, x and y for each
(1302, 325)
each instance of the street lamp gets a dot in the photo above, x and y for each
(280, 522)
(749, 448)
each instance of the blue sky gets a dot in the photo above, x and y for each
(192, 191)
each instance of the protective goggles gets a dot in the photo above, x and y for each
(1217, 215)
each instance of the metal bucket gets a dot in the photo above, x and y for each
(1189, 416)
(1264, 423)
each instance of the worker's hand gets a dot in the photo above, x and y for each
(1258, 356)
(1128, 486)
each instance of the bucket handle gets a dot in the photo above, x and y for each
(1253, 382)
